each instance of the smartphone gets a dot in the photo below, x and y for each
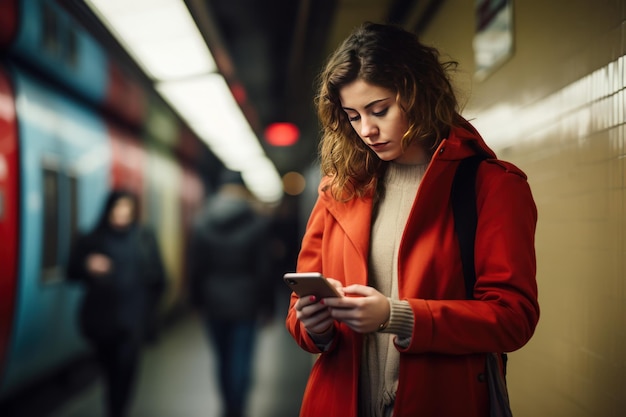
(310, 283)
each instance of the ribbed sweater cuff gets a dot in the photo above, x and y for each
(400, 319)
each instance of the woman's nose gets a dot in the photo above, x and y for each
(368, 128)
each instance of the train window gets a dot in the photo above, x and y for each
(50, 257)
(50, 35)
(72, 48)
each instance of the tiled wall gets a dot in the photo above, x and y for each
(557, 108)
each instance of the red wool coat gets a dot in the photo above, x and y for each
(442, 370)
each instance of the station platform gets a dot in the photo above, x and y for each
(178, 376)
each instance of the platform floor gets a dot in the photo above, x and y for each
(178, 377)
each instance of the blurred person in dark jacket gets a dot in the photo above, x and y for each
(120, 265)
(231, 283)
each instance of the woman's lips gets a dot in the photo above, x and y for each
(379, 145)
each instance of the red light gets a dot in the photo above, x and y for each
(282, 134)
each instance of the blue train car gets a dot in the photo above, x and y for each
(61, 189)
(73, 125)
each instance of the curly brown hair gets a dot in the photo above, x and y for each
(392, 58)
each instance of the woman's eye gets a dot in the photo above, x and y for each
(381, 113)
(354, 118)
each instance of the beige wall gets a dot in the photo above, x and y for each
(556, 109)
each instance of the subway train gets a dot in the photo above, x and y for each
(74, 123)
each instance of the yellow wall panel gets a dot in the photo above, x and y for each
(164, 214)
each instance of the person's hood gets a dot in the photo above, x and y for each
(464, 141)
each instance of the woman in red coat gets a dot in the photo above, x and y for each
(405, 341)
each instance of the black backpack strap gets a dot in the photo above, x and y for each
(463, 196)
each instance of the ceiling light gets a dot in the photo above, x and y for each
(160, 34)
(206, 103)
(163, 39)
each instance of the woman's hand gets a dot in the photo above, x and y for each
(313, 314)
(98, 264)
(363, 309)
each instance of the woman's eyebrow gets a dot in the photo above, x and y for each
(367, 106)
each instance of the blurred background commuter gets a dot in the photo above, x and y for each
(120, 265)
(231, 283)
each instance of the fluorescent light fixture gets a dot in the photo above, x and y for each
(164, 40)
(263, 177)
(209, 108)
(160, 34)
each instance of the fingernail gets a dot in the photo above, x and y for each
(312, 298)
(322, 301)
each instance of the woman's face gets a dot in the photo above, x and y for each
(379, 121)
(122, 213)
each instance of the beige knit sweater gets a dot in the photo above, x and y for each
(379, 368)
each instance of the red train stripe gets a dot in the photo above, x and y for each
(9, 209)
(8, 21)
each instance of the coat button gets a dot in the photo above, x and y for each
(481, 377)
